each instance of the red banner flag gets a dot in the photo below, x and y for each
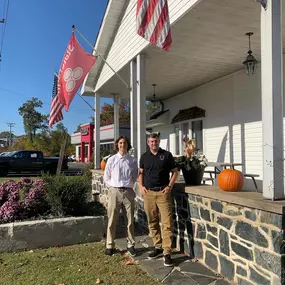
(75, 65)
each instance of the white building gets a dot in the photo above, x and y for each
(234, 118)
(243, 120)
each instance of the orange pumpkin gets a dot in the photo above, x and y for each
(231, 180)
(103, 164)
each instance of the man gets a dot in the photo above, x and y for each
(155, 187)
(120, 174)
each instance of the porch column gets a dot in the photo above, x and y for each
(133, 106)
(116, 116)
(141, 105)
(97, 132)
(272, 100)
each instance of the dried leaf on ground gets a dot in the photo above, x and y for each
(98, 281)
(130, 262)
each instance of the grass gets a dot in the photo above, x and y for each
(3, 179)
(79, 264)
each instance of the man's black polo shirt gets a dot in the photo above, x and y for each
(156, 168)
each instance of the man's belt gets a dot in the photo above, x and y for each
(123, 188)
(156, 189)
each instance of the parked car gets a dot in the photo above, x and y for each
(4, 153)
(29, 161)
(71, 158)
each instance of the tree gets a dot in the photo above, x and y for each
(47, 141)
(107, 113)
(33, 120)
(77, 129)
(56, 138)
(150, 110)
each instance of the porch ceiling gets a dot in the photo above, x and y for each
(208, 43)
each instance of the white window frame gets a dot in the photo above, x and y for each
(181, 148)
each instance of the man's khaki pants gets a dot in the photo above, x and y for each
(117, 198)
(155, 203)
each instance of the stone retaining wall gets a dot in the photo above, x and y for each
(51, 232)
(244, 245)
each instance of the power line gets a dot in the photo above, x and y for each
(47, 104)
(44, 103)
(4, 22)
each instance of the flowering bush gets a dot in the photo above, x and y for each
(50, 197)
(197, 161)
(33, 199)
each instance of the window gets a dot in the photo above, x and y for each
(33, 155)
(197, 134)
(177, 142)
(184, 131)
(19, 155)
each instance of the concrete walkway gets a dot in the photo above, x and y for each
(184, 271)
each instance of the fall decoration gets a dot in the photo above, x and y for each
(231, 180)
(104, 161)
(103, 164)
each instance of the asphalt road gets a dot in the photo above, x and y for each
(74, 168)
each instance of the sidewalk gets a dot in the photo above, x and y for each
(184, 271)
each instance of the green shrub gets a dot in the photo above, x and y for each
(87, 171)
(67, 195)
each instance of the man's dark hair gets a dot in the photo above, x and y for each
(153, 135)
(126, 139)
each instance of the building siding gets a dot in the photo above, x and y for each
(127, 44)
(232, 128)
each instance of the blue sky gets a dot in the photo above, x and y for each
(37, 33)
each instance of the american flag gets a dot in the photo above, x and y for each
(153, 22)
(56, 107)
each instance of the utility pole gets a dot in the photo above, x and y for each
(10, 125)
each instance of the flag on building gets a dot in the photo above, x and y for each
(153, 22)
(75, 65)
(56, 107)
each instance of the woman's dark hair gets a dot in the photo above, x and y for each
(126, 139)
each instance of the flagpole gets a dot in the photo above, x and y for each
(86, 102)
(126, 84)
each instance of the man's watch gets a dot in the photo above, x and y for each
(169, 186)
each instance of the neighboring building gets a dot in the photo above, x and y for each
(84, 140)
(4, 142)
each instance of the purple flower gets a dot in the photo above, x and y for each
(9, 211)
(12, 208)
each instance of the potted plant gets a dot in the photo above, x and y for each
(192, 167)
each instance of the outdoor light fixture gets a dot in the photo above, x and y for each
(250, 62)
(263, 3)
(154, 101)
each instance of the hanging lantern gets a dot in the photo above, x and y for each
(154, 101)
(250, 63)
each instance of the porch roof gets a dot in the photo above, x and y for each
(109, 26)
(209, 42)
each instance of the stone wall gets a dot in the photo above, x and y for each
(51, 232)
(244, 245)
